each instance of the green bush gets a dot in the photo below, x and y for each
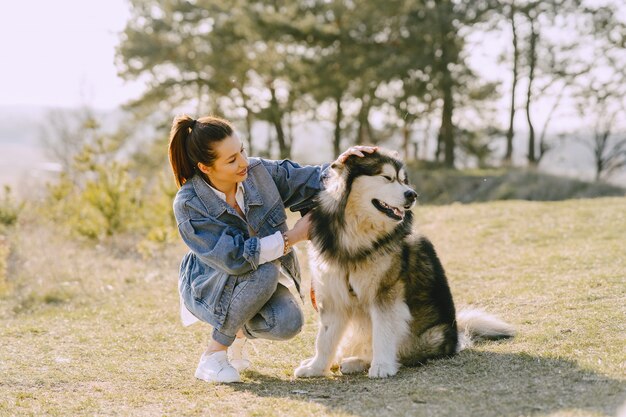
(98, 197)
(9, 208)
(158, 224)
(108, 191)
(4, 256)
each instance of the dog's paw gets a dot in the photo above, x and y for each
(310, 371)
(353, 365)
(382, 370)
(306, 361)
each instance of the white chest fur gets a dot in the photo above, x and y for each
(347, 288)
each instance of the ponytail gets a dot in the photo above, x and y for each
(182, 166)
(191, 142)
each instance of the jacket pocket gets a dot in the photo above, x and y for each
(208, 288)
(277, 215)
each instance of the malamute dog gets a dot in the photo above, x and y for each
(379, 285)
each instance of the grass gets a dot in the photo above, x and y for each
(94, 330)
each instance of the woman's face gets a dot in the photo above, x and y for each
(231, 165)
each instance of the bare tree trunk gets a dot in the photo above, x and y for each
(362, 133)
(276, 120)
(289, 135)
(600, 146)
(508, 157)
(406, 138)
(337, 135)
(424, 151)
(446, 130)
(543, 146)
(532, 160)
(249, 128)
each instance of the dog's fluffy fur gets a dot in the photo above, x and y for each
(379, 286)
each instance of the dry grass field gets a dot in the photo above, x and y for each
(94, 330)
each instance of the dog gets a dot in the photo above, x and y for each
(379, 285)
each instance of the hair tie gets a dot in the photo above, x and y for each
(193, 124)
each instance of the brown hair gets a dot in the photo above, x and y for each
(191, 142)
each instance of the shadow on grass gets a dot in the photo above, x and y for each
(471, 383)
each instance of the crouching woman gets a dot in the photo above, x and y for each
(230, 212)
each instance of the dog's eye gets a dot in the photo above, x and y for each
(388, 178)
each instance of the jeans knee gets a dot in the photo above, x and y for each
(267, 275)
(291, 323)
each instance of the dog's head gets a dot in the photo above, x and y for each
(376, 187)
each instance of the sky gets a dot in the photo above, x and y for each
(61, 53)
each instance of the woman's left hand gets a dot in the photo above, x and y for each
(356, 150)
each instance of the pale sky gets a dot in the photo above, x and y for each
(61, 53)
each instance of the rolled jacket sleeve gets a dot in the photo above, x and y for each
(221, 246)
(297, 184)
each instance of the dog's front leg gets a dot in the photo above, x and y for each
(332, 326)
(389, 327)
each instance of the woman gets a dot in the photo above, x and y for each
(230, 212)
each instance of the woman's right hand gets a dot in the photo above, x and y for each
(300, 230)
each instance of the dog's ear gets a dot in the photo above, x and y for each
(338, 166)
(350, 161)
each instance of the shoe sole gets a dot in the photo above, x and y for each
(207, 378)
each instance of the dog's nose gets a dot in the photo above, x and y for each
(410, 195)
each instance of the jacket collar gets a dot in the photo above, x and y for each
(215, 205)
(251, 195)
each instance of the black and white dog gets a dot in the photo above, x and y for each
(380, 287)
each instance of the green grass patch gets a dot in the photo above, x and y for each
(98, 332)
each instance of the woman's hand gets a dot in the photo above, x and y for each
(300, 230)
(356, 150)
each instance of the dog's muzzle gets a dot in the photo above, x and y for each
(410, 197)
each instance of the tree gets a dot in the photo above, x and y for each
(443, 25)
(62, 135)
(214, 54)
(341, 45)
(510, 10)
(601, 94)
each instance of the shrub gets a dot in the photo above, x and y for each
(9, 208)
(4, 256)
(97, 198)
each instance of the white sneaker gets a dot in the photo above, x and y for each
(238, 354)
(214, 367)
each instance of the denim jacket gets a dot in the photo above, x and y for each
(220, 241)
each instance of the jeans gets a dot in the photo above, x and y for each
(261, 307)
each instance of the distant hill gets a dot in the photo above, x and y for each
(446, 186)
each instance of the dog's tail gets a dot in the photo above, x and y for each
(476, 325)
